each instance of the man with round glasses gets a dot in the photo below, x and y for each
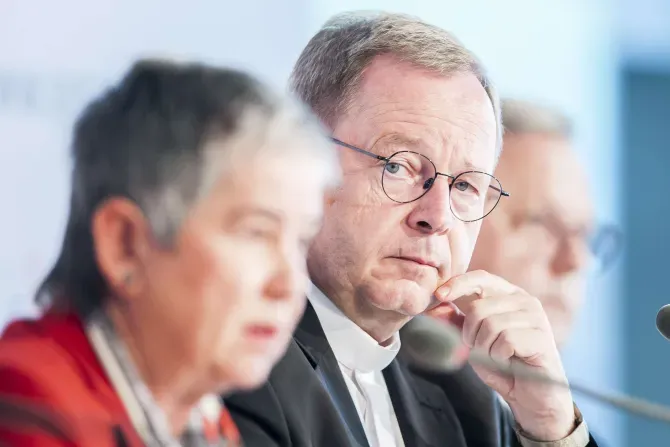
(418, 122)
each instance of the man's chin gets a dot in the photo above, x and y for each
(404, 297)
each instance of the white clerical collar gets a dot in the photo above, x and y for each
(352, 346)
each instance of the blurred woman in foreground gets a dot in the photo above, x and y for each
(195, 193)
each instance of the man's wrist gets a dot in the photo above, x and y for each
(578, 436)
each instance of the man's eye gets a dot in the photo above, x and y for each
(392, 168)
(398, 169)
(466, 188)
(462, 186)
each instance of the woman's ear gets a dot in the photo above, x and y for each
(122, 240)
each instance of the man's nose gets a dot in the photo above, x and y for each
(432, 212)
(572, 255)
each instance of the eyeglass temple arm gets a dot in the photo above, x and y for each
(502, 192)
(357, 149)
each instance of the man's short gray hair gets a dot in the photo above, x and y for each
(161, 138)
(329, 69)
(522, 117)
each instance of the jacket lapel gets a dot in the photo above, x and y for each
(475, 404)
(425, 417)
(313, 342)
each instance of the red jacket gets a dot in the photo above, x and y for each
(49, 364)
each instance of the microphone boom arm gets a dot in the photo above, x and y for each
(631, 404)
(436, 346)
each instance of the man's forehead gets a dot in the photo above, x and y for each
(445, 118)
(544, 176)
(390, 83)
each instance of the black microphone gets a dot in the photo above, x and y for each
(436, 346)
(663, 321)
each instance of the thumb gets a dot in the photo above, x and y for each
(449, 313)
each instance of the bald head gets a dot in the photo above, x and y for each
(538, 239)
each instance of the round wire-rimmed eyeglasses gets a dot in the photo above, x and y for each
(407, 176)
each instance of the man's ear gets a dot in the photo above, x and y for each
(122, 239)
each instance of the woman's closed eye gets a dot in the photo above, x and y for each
(256, 223)
(259, 230)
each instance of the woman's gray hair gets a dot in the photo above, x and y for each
(146, 139)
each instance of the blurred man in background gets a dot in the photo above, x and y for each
(546, 239)
(543, 240)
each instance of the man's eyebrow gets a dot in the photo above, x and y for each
(395, 142)
(468, 165)
(419, 145)
(405, 141)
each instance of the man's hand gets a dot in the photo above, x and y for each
(499, 318)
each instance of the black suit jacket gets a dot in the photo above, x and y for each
(306, 403)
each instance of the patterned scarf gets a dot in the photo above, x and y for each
(209, 425)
